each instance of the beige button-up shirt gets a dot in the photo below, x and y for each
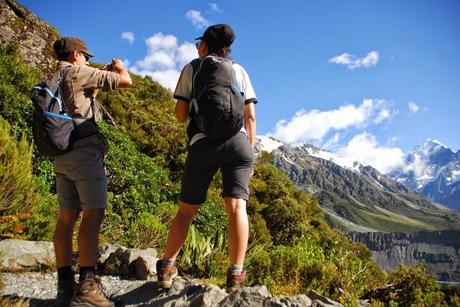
(78, 89)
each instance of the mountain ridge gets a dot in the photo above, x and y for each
(432, 169)
(354, 196)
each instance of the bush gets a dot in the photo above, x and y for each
(287, 270)
(409, 286)
(16, 81)
(137, 183)
(17, 183)
(148, 231)
(204, 256)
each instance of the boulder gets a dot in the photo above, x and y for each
(322, 301)
(19, 254)
(253, 296)
(104, 252)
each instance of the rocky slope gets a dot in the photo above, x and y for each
(33, 35)
(439, 251)
(129, 278)
(432, 169)
(356, 197)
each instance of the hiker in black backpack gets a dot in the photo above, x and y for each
(81, 181)
(216, 95)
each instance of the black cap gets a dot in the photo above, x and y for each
(69, 44)
(218, 36)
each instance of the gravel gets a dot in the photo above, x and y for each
(40, 288)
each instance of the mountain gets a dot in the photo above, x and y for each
(433, 170)
(356, 197)
(438, 250)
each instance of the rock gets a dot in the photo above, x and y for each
(438, 250)
(104, 252)
(118, 262)
(296, 301)
(319, 300)
(19, 254)
(132, 262)
(145, 267)
(253, 296)
(210, 296)
(34, 36)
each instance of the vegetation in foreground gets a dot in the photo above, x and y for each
(292, 249)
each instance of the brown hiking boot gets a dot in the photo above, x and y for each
(89, 294)
(234, 281)
(165, 274)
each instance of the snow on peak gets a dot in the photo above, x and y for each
(267, 143)
(432, 145)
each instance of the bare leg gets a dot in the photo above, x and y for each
(88, 236)
(63, 236)
(238, 229)
(179, 229)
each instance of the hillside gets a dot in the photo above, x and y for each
(292, 249)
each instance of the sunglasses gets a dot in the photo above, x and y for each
(87, 57)
(198, 44)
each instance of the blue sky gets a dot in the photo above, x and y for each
(364, 79)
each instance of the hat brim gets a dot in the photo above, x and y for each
(87, 53)
(199, 38)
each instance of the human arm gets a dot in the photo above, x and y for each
(124, 79)
(181, 110)
(250, 122)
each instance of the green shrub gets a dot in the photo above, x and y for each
(136, 182)
(148, 231)
(43, 219)
(146, 113)
(211, 218)
(16, 81)
(290, 270)
(17, 183)
(409, 286)
(204, 256)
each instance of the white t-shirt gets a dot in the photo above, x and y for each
(184, 89)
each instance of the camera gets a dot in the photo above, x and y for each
(107, 67)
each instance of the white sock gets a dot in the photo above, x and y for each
(236, 269)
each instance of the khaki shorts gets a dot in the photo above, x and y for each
(81, 181)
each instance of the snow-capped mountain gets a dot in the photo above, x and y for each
(353, 196)
(433, 170)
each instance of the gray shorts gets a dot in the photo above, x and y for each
(234, 157)
(81, 181)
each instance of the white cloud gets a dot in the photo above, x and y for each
(165, 59)
(392, 140)
(418, 166)
(198, 21)
(332, 143)
(413, 107)
(315, 124)
(214, 7)
(128, 36)
(352, 62)
(365, 149)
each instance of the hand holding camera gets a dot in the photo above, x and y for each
(115, 66)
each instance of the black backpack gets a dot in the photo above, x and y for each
(52, 127)
(217, 103)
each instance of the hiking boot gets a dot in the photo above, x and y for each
(165, 274)
(89, 294)
(63, 297)
(234, 281)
